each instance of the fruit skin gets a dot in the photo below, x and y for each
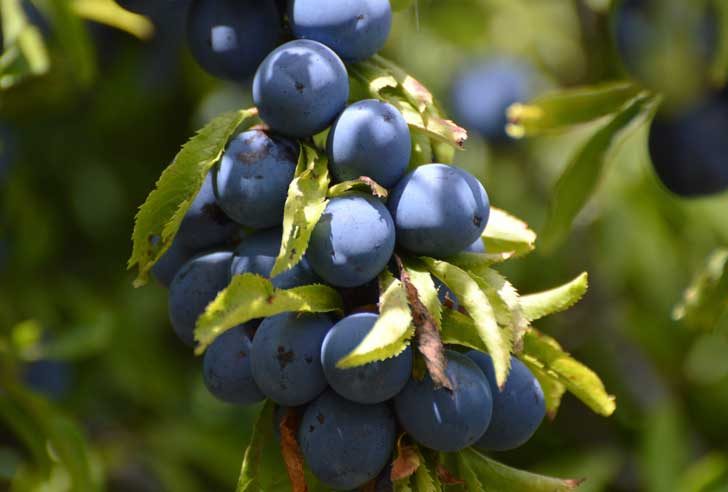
(251, 181)
(171, 261)
(205, 225)
(194, 286)
(689, 151)
(346, 444)
(286, 360)
(353, 240)
(518, 410)
(481, 94)
(370, 138)
(226, 368)
(442, 420)
(375, 382)
(229, 38)
(257, 254)
(354, 29)
(300, 88)
(438, 210)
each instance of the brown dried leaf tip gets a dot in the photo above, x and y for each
(429, 342)
(447, 477)
(291, 451)
(407, 461)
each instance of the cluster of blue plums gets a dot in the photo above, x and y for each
(349, 417)
(687, 145)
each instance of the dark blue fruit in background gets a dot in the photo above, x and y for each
(518, 410)
(353, 241)
(354, 29)
(171, 261)
(286, 359)
(371, 383)
(205, 225)
(443, 420)
(194, 286)
(689, 151)
(439, 210)
(481, 94)
(49, 377)
(229, 38)
(226, 368)
(346, 444)
(370, 138)
(251, 181)
(300, 88)
(257, 254)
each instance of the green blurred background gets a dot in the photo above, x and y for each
(126, 400)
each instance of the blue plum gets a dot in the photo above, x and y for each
(518, 410)
(482, 92)
(371, 383)
(689, 150)
(354, 29)
(226, 368)
(49, 377)
(171, 261)
(257, 254)
(194, 286)
(251, 181)
(229, 38)
(346, 444)
(370, 138)
(353, 241)
(205, 225)
(300, 88)
(286, 357)
(438, 210)
(443, 420)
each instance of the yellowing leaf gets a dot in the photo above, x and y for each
(251, 296)
(305, 203)
(545, 353)
(497, 476)
(161, 214)
(391, 333)
(363, 183)
(507, 234)
(476, 303)
(536, 306)
(110, 13)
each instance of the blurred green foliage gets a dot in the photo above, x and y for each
(92, 135)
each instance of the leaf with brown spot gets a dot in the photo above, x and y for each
(427, 334)
(407, 460)
(447, 477)
(362, 183)
(291, 450)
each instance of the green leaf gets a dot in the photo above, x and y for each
(706, 299)
(467, 474)
(363, 184)
(497, 476)
(425, 478)
(25, 51)
(507, 234)
(305, 203)
(110, 13)
(475, 301)
(545, 353)
(564, 109)
(161, 214)
(422, 280)
(459, 329)
(536, 306)
(74, 40)
(263, 468)
(251, 296)
(476, 261)
(392, 331)
(581, 177)
(398, 5)
(553, 389)
(51, 436)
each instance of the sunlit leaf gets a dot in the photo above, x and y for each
(507, 234)
(426, 289)
(536, 306)
(706, 299)
(110, 13)
(553, 389)
(25, 52)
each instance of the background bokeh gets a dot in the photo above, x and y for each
(86, 357)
